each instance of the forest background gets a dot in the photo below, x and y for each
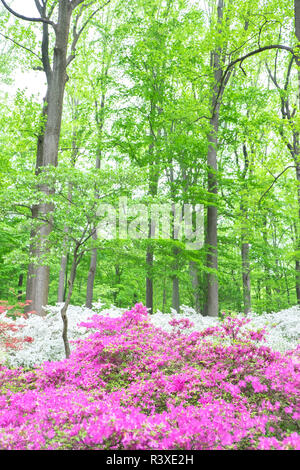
(161, 101)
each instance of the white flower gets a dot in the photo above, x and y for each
(283, 329)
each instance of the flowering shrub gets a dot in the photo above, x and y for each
(131, 385)
(7, 329)
(283, 330)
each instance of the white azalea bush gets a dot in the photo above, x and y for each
(282, 330)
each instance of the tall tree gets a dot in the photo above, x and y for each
(48, 140)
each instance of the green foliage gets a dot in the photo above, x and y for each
(138, 102)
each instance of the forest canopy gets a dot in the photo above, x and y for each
(161, 102)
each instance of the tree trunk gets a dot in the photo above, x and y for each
(245, 247)
(149, 280)
(266, 266)
(175, 294)
(297, 261)
(62, 276)
(194, 275)
(296, 144)
(246, 277)
(212, 212)
(47, 151)
(93, 263)
(153, 183)
(63, 311)
(164, 296)
(94, 255)
(20, 284)
(91, 279)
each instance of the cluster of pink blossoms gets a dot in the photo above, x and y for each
(132, 386)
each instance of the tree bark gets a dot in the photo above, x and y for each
(246, 277)
(212, 211)
(63, 312)
(175, 294)
(194, 275)
(47, 152)
(20, 284)
(153, 184)
(245, 247)
(296, 148)
(149, 280)
(61, 280)
(212, 223)
(297, 261)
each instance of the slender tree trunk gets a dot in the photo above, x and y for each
(30, 276)
(94, 255)
(153, 183)
(266, 267)
(194, 275)
(175, 294)
(164, 296)
(212, 212)
(258, 290)
(91, 279)
(287, 288)
(296, 147)
(63, 311)
(62, 274)
(149, 279)
(246, 277)
(20, 284)
(64, 258)
(212, 223)
(245, 247)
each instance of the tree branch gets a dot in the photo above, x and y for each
(20, 45)
(75, 3)
(275, 179)
(76, 34)
(240, 60)
(27, 18)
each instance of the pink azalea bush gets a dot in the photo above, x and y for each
(130, 385)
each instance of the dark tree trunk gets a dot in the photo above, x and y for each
(47, 151)
(164, 296)
(296, 145)
(20, 284)
(63, 312)
(194, 275)
(297, 262)
(149, 280)
(62, 275)
(212, 307)
(61, 280)
(212, 223)
(91, 279)
(245, 247)
(246, 277)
